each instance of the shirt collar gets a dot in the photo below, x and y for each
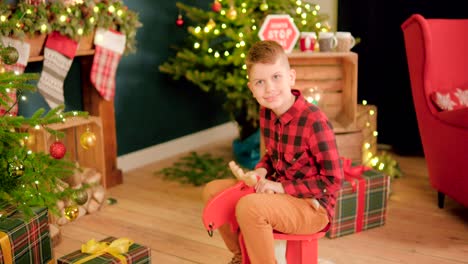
(295, 109)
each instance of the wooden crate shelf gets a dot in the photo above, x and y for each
(73, 128)
(335, 74)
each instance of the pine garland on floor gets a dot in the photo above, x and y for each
(197, 169)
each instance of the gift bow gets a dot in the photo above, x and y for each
(352, 173)
(116, 248)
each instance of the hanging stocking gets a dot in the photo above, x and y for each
(23, 51)
(109, 49)
(59, 52)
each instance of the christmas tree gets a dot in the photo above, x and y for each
(219, 38)
(29, 179)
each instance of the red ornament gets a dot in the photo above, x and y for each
(216, 6)
(179, 22)
(57, 150)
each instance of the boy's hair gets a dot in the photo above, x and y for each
(266, 52)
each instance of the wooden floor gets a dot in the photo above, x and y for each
(166, 216)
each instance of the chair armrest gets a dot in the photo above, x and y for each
(458, 118)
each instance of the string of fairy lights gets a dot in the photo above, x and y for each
(370, 156)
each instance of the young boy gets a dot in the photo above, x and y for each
(300, 171)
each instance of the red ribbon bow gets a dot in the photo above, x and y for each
(353, 174)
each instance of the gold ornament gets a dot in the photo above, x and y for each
(88, 139)
(80, 197)
(211, 24)
(71, 212)
(232, 13)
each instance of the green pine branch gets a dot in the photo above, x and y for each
(197, 169)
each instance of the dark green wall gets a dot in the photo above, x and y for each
(150, 107)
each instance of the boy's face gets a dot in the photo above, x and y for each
(271, 85)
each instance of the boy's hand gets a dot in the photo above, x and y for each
(267, 186)
(251, 177)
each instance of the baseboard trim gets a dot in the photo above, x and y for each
(177, 146)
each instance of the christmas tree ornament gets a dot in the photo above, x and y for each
(216, 6)
(16, 168)
(71, 212)
(9, 55)
(59, 52)
(109, 47)
(211, 24)
(88, 139)
(232, 13)
(264, 6)
(22, 49)
(179, 21)
(80, 197)
(57, 150)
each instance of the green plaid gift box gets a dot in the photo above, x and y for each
(25, 241)
(372, 193)
(137, 254)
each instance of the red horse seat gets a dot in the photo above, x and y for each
(220, 210)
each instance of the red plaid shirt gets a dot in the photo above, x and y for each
(301, 152)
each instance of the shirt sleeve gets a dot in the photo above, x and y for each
(265, 162)
(322, 144)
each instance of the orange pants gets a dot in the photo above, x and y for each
(258, 214)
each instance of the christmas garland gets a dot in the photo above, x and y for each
(74, 21)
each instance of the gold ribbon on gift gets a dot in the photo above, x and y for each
(116, 249)
(6, 248)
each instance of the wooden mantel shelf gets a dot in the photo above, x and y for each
(78, 53)
(95, 105)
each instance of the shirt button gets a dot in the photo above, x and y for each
(294, 159)
(324, 190)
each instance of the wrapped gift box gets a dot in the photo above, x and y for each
(25, 241)
(361, 202)
(137, 254)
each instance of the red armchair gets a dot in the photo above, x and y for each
(437, 56)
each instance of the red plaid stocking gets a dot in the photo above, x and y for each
(59, 52)
(109, 48)
(23, 51)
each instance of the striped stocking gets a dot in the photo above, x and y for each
(59, 52)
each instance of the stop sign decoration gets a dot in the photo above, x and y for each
(281, 29)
